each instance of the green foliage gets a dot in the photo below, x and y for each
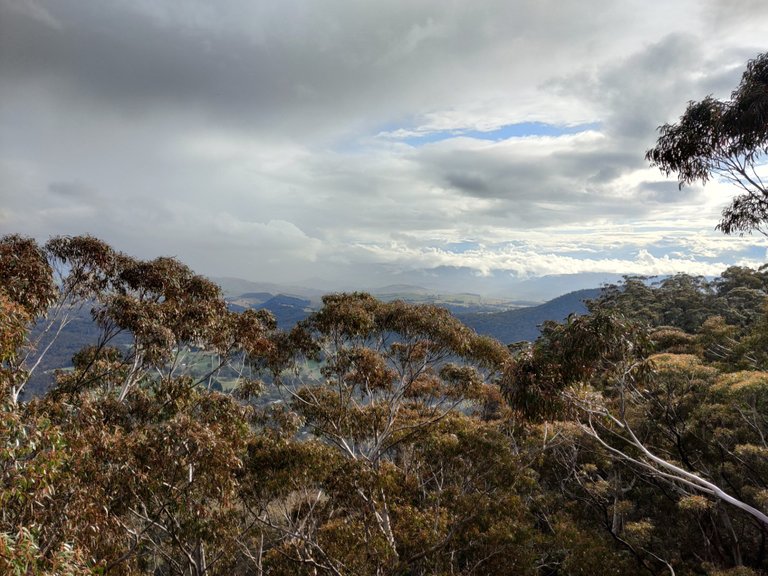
(753, 348)
(583, 348)
(393, 439)
(20, 555)
(13, 330)
(725, 139)
(26, 276)
(686, 302)
(680, 301)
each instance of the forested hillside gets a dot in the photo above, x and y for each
(524, 323)
(402, 442)
(508, 326)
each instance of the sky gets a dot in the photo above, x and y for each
(344, 143)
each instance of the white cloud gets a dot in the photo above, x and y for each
(266, 139)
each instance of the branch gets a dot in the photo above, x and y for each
(668, 470)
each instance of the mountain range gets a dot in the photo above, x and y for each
(506, 320)
(523, 323)
(442, 280)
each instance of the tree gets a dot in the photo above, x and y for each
(724, 139)
(160, 308)
(390, 390)
(611, 374)
(599, 364)
(393, 451)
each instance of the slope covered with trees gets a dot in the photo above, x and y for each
(524, 323)
(403, 443)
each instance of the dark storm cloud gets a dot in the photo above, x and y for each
(297, 67)
(274, 74)
(71, 190)
(124, 60)
(580, 180)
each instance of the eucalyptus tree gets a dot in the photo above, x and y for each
(670, 422)
(163, 308)
(412, 472)
(724, 139)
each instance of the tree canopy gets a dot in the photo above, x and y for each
(377, 438)
(724, 139)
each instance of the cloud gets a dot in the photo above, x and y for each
(665, 192)
(71, 191)
(278, 238)
(248, 63)
(281, 140)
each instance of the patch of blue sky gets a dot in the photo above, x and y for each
(518, 130)
(462, 247)
(749, 252)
